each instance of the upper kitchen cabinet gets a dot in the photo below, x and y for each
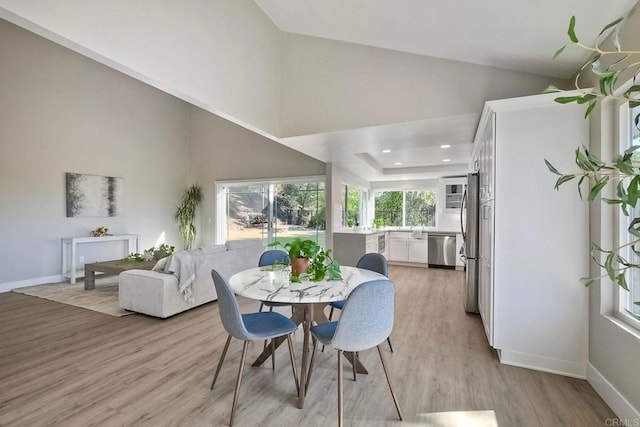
(484, 155)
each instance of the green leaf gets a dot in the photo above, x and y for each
(592, 105)
(588, 281)
(586, 98)
(566, 99)
(621, 281)
(632, 190)
(551, 168)
(624, 165)
(611, 201)
(634, 228)
(571, 32)
(599, 185)
(559, 52)
(609, 25)
(562, 180)
(632, 89)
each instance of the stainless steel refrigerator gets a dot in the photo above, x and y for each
(470, 233)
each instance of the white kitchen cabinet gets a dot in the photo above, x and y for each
(404, 247)
(398, 249)
(417, 251)
(533, 307)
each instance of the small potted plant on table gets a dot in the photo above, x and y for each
(310, 261)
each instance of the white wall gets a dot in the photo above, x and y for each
(61, 112)
(223, 55)
(330, 85)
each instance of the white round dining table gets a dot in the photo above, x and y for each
(307, 298)
(272, 283)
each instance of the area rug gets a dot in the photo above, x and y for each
(103, 299)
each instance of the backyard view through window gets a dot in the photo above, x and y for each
(405, 208)
(353, 206)
(274, 210)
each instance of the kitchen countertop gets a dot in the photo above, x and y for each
(433, 230)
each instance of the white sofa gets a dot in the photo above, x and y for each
(156, 293)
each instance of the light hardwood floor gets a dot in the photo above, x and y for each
(67, 366)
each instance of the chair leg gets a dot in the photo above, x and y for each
(313, 358)
(273, 354)
(224, 352)
(386, 373)
(390, 346)
(261, 305)
(354, 354)
(340, 385)
(238, 381)
(293, 364)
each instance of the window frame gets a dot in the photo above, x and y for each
(221, 229)
(624, 141)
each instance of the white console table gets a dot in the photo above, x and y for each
(69, 245)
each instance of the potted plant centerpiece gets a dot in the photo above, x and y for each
(310, 261)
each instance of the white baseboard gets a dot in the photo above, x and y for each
(616, 401)
(546, 364)
(6, 287)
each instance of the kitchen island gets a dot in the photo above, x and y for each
(398, 245)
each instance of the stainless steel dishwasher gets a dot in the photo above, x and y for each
(442, 250)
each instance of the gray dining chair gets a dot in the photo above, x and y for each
(249, 327)
(374, 262)
(366, 321)
(272, 257)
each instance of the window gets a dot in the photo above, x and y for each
(405, 208)
(627, 299)
(353, 200)
(272, 210)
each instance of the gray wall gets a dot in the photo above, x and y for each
(62, 112)
(221, 55)
(223, 151)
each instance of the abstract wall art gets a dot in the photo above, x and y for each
(93, 195)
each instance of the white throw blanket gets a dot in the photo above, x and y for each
(183, 265)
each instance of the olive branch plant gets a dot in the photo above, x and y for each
(624, 171)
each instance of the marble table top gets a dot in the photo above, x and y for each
(273, 284)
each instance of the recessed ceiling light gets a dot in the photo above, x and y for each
(445, 146)
(405, 179)
(397, 163)
(446, 160)
(386, 151)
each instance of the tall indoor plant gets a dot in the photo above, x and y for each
(186, 214)
(610, 68)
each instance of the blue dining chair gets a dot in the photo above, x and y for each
(374, 262)
(272, 257)
(366, 321)
(249, 327)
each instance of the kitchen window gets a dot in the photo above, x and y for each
(405, 208)
(270, 210)
(630, 136)
(353, 200)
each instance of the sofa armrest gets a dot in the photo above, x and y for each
(144, 291)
